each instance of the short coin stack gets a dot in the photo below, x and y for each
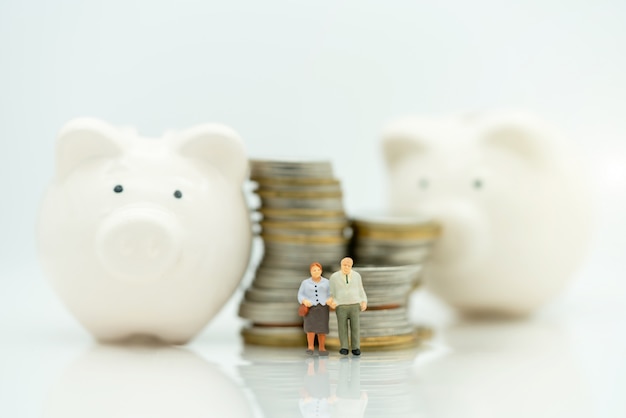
(392, 240)
(303, 220)
(388, 253)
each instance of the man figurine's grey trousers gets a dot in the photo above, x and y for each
(350, 313)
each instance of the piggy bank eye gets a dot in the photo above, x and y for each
(118, 189)
(423, 183)
(478, 184)
(178, 194)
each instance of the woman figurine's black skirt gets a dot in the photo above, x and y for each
(317, 319)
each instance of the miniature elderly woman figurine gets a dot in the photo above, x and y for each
(314, 292)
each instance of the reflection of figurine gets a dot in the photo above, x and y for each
(350, 400)
(314, 292)
(349, 299)
(314, 397)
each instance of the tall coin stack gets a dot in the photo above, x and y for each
(303, 220)
(389, 253)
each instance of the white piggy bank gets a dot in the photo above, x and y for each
(145, 237)
(511, 200)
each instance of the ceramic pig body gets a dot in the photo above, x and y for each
(511, 199)
(143, 236)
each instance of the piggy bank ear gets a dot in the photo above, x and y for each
(85, 139)
(520, 134)
(401, 139)
(216, 145)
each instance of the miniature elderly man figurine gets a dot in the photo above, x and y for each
(348, 300)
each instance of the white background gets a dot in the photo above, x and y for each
(318, 79)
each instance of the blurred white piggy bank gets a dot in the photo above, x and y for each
(145, 237)
(511, 200)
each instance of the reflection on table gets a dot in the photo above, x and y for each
(287, 383)
(144, 381)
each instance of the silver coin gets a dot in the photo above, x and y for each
(294, 214)
(385, 300)
(272, 283)
(388, 220)
(290, 168)
(372, 246)
(373, 322)
(390, 275)
(305, 238)
(275, 331)
(366, 331)
(291, 171)
(390, 294)
(303, 251)
(290, 187)
(390, 281)
(265, 271)
(376, 322)
(298, 194)
(270, 313)
(298, 248)
(330, 203)
(318, 228)
(390, 256)
(296, 259)
(256, 294)
(304, 234)
(309, 252)
(383, 314)
(295, 264)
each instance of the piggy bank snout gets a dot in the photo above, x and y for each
(464, 232)
(138, 244)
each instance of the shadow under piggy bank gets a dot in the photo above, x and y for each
(144, 381)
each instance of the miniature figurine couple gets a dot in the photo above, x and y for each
(343, 292)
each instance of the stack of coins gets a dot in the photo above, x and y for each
(389, 252)
(392, 240)
(385, 324)
(302, 221)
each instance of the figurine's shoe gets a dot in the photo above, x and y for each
(343, 351)
(356, 352)
(323, 353)
(309, 352)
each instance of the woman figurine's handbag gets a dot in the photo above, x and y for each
(303, 310)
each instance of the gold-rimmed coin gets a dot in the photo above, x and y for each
(298, 194)
(301, 213)
(274, 336)
(304, 239)
(391, 342)
(306, 225)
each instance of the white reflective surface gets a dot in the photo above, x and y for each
(563, 363)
